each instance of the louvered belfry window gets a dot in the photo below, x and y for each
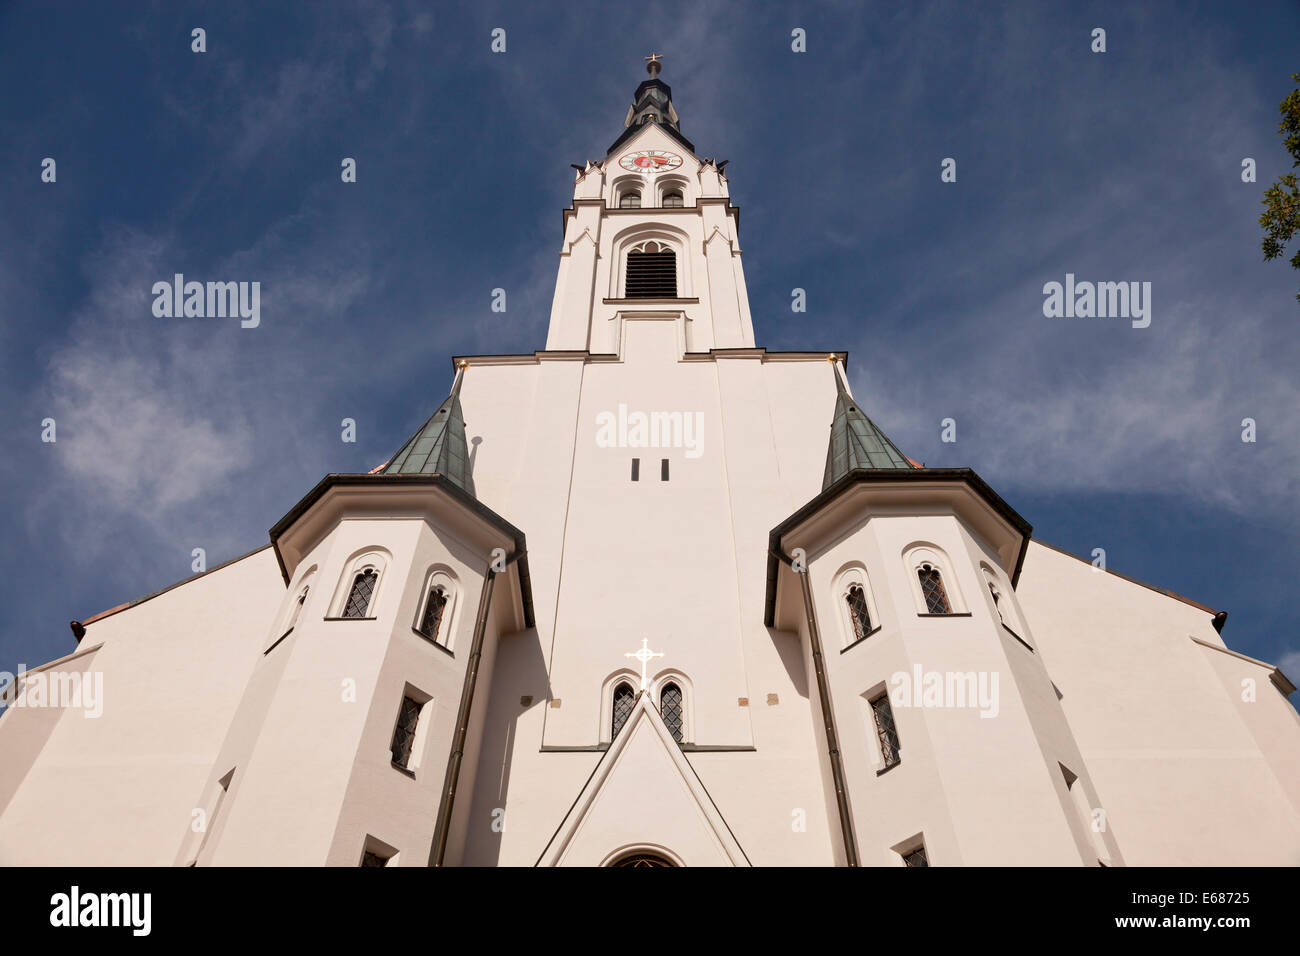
(936, 598)
(886, 732)
(623, 701)
(431, 622)
(651, 272)
(670, 706)
(363, 588)
(858, 613)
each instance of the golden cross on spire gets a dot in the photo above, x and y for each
(652, 64)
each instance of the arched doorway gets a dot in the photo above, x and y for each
(642, 858)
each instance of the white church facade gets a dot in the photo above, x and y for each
(653, 596)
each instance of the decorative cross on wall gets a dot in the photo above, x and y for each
(644, 656)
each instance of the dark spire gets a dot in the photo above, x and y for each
(652, 103)
(856, 442)
(439, 447)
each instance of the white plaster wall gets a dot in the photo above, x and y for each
(680, 562)
(1178, 768)
(120, 789)
(979, 788)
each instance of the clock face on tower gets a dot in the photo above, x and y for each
(650, 161)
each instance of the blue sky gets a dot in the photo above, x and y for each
(176, 434)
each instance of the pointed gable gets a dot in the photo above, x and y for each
(643, 777)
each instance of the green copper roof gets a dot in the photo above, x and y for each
(439, 447)
(855, 440)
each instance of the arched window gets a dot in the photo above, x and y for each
(859, 617)
(435, 612)
(294, 613)
(673, 200)
(1005, 607)
(643, 860)
(997, 600)
(859, 614)
(670, 708)
(297, 609)
(936, 598)
(363, 589)
(631, 199)
(431, 619)
(651, 271)
(624, 698)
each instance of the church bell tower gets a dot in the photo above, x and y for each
(651, 231)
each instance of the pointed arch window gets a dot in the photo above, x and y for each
(651, 271)
(363, 589)
(997, 601)
(859, 614)
(624, 698)
(673, 200)
(670, 708)
(859, 618)
(630, 199)
(297, 608)
(1004, 607)
(936, 598)
(434, 609)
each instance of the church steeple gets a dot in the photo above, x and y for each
(652, 103)
(439, 447)
(856, 442)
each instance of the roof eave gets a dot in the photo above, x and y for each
(441, 482)
(776, 556)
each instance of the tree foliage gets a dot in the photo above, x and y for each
(1281, 216)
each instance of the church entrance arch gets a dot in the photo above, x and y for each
(642, 858)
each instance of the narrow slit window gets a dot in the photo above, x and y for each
(997, 605)
(297, 611)
(408, 718)
(363, 589)
(663, 469)
(636, 469)
(670, 708)
(431, 620)
(883, 716)
(859, 615)
(936, 598)
(624, 698)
